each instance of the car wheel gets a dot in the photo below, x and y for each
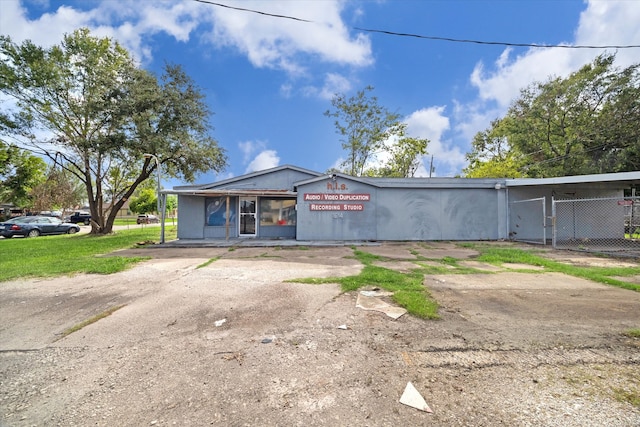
(86, 222)
(33, 233)
(72, 230)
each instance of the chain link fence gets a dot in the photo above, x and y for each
(604, 225)
(527, 221)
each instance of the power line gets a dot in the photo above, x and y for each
(436, 38)
(495, 43)
(242, 9)
(565, 156)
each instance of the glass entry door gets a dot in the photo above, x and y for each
(247, 216)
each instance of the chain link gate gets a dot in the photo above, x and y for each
(605, 225)
(527, 220)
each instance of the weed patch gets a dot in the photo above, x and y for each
(268, 255)
(206, 263)
(633, 333)
(89, 321)
(408, 288)
(498, 256)
(628, 396)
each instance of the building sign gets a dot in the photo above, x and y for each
(354, 207)
(342, 202)
(332, 197)
(339, 198)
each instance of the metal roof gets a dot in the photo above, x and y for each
(418, 182)
(230, 192)
(437, 182)
(631, 177)
(246, 176)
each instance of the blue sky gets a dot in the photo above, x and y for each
(269, 80)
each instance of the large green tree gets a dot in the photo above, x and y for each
(101, 114)
(492, 156)
(146, 201)
(364, 126)
(59, 191)
(404, 155)
(588, 122)
(20, 172)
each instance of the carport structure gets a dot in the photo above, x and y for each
(589, 212)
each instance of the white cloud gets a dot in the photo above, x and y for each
(45, 31)
(277, 43)
(601, 23)
(125, 21)
(472, 117)
(286, 89)
(433, 124)
(248, 148)
(266, 41)
(613, 22)
(333, 83)
(503, 83)
(264, 160)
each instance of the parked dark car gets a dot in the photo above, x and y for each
(80, 217)
(34, 226)
(147, 219)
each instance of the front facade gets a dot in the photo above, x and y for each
(340, 207)
(288, 202)
(257, 205)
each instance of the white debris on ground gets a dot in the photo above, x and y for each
(368, 300)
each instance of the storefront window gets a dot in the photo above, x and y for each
(217, 211)
(277, 212)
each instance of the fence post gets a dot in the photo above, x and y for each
(544, 220)
(553, 222)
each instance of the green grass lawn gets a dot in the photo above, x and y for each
(50, 256)
(125, 221)
(606, 275)
(169, 222)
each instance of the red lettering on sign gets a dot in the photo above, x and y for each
(332, 197)
(312, 196)
(336, 186)
(353, 207)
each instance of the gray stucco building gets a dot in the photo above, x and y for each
(288, 202)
